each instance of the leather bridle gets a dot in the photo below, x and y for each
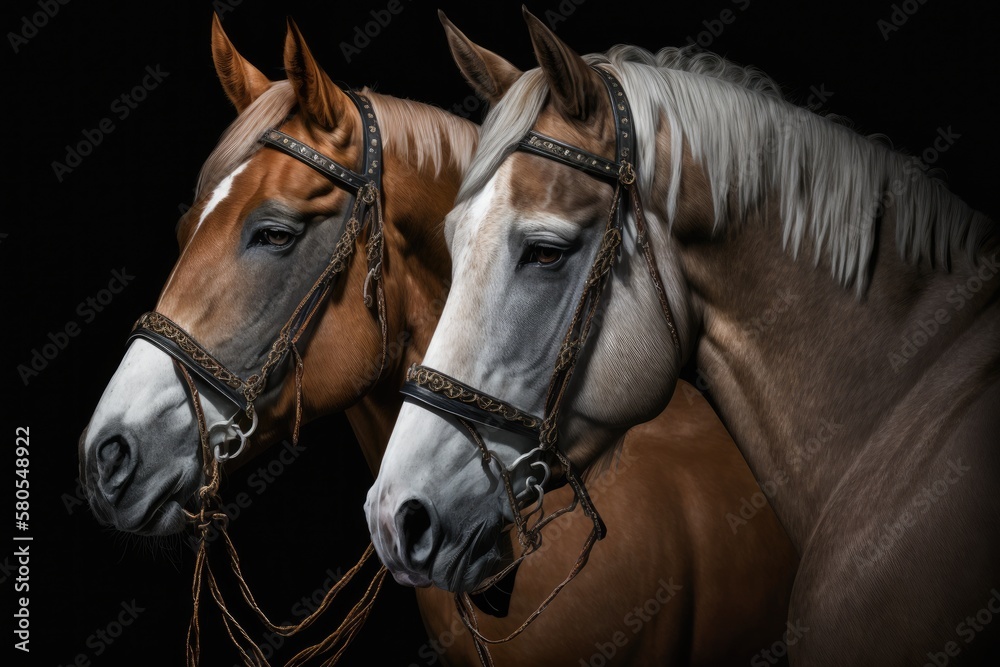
(470, 406)
(364, 211)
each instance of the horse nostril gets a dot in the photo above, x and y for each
(417, 531)
(115, 464)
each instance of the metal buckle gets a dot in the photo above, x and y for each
(626, 174)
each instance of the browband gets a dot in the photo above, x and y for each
(547, 147)
(348, 178)
(595, 165)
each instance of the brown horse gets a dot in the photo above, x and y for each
(866, 406)
(700, 592)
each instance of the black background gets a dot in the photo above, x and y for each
(62, 240)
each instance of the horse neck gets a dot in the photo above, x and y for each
(803, 371)
(416, 272)
(373, 416)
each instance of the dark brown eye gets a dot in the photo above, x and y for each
(276, 237)
(546, 256)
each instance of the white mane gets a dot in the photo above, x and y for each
(828, 180)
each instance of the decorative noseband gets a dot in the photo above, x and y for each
(447, 394)
(365, 189)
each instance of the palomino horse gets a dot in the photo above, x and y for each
(868, 409)
(261, 222)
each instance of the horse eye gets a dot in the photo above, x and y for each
(548, 254)
(542, 255)
(276, 237)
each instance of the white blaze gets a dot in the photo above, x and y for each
(220, 192)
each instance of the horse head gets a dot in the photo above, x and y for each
(529, 238)
(276, 248)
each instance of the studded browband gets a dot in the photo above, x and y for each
(365, 189)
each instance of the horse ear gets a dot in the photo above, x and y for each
(319, 98)
(574, 85)
(489, 75)
(242, 81)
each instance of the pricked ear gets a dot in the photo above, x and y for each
(320, 99)
(576, 88)
(242, 81)
(489, 75)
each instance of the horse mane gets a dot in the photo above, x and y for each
(239, 141)
(434, 138)
(428, 136)
(830, 182)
